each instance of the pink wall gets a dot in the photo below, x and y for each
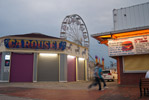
(71, 71)
(0, 60)
(21, 68)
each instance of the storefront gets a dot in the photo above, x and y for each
(48, 67)
(128, 43)
(0, 61)
(71, 68)
(36, 57)
(21, 67)
(131, 50)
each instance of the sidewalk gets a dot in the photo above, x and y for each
(6, 97)
(67, 91)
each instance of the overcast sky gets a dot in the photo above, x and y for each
(46, 16)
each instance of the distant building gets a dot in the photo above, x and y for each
(129, 42)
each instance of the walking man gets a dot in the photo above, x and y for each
(96, 76)
(101, 78)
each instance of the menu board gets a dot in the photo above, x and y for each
(129, 46)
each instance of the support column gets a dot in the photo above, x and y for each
(76, 68)
(86, 70)
(118, 70)
(35, 67)
(5, 66)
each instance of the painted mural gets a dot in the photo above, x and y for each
(76, 50)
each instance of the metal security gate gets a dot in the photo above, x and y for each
(71, 71)
(81, 70)
(21, 67)
(0, 61)
(48, 67)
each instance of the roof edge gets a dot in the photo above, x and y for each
(120, 31)
(31, 35)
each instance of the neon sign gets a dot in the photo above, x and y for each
(35, 44)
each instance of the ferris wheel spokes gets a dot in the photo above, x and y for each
(74, 29)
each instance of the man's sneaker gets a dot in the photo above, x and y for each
(101, 89)
(105, 87)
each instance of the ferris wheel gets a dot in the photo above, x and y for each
(74, 29)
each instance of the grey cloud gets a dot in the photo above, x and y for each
(46, 16)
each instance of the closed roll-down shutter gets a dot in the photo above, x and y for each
(21, 67)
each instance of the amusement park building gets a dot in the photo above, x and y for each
(37, 57)
(129, 42)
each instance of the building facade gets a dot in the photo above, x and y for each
(37, 57)
(129, 42)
